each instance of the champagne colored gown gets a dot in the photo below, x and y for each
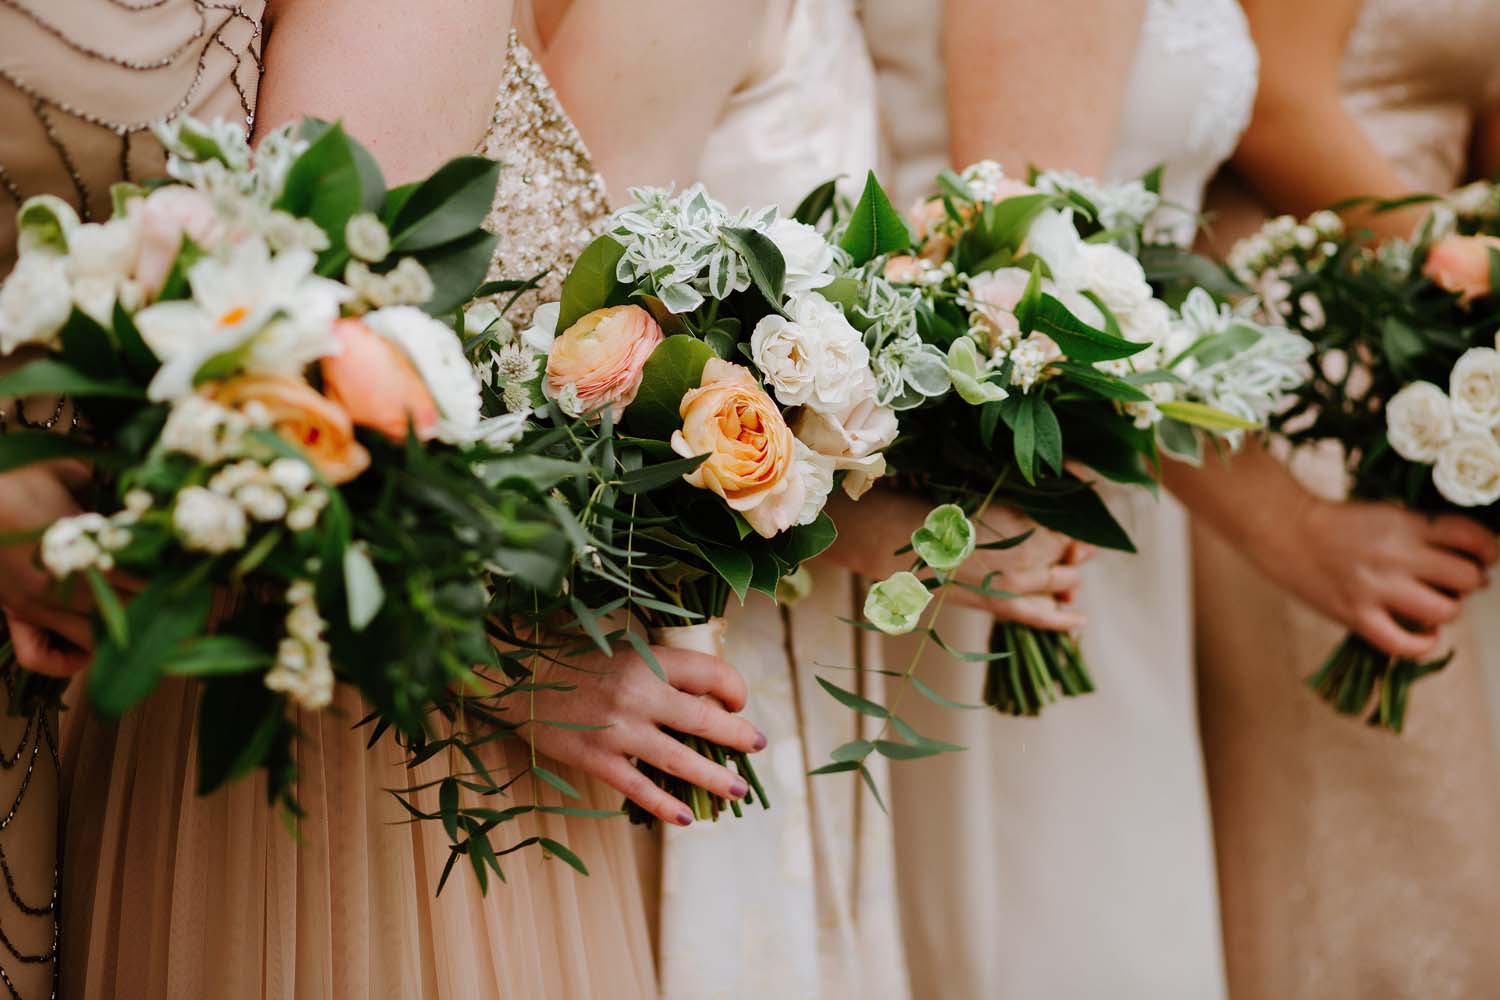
(171, 895)
(1071, 856)
(798, 902)
(1353, 863)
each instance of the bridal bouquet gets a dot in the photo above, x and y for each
(1405, 379)
(1056, 353)
(294, 481)
(730, 395)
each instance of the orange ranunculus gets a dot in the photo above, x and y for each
(601, 357)
(377, 385)
(751, 451)
(1461, 264)
(312, 422)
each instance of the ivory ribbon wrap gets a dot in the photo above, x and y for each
(704, 637)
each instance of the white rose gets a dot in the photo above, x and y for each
(852, 438)
(808, 256)
(1116, 277)
(34, 302)
(1149, 323)
(1475, 388)
(438, 356)
(814, 358)
(816, 473)
(1468, 470)
(207, 522)
(1419, 422)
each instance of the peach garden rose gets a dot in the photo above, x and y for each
(597, 361)
(1461, 264)
(377, 385)
(751, 451)
(300, 414)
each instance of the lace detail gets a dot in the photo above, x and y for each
(1189, 97)
(550, 202)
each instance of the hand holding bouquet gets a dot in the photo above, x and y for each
(295, 467)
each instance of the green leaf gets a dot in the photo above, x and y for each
(362, 587)
(591, 282)
(673, 368)
(906, 751)
(86, 346)
(159, 622)
(1007, 222)
(875, 227)
(849, 699)
(324, 185)
(456, 269)
(643, 650)
(853, 750)
(1049, 442)
(240, 725)
(651, 477)
(572, 860)
(110, 609)
(734, 566)
(1202, 415)
(555, 781)
(931, 695)
(817, 203)
(1079, 514)
(22, 448)
(46, 377)
(1099, 383)
(1078, 340)
(218, 654)
(449, 205)
(1402, 345)
(448, 806)
(763, 258)
(807, 541)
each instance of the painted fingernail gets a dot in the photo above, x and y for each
(684, 818)
(760, 740)
(738, 788)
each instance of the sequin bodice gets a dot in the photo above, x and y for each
(1415, 73)
(82, 82)
(551, 201)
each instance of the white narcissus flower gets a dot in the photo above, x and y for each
(234, 301)
(1467, 472)
(814, 358)
(207, 522)
(808, 255)
(35, 302)
(1474, 387)
(1419, 422)
(438, 356)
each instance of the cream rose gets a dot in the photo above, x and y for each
(1116, 277)
(751, 451)
(854, 438)
(165, 217)
(808, 255)
(1474, 387)
(1419, 422)
(1468, 470)
(598, 361)
(813, 359)
(1461, 264)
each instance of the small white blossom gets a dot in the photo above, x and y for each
(303, 670)
(202, 429)
(367, 238)
(207, 522)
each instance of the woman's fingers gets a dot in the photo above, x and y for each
(1462, 534)
(1449, 571)
(625, 778)
(1041, 612)
(676, 758)
(1412, 600)
(1380, 629)
(699, 673)
(70, 625)
(704, 717)
(41, 652)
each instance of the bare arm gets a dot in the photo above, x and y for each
(645, 102)
(414, 80)
(1299, 109)
(1038, 83)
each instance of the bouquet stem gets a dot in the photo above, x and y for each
(1041, 667)
(707, 637)
(1357, 673)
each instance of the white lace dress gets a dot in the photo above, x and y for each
(798, 902)
(1072, 856)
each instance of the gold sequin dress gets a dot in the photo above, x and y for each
(171, 895)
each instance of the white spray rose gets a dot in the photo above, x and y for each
(1468, 470)
(34, 302)
(813, 359)
(1419, 422)
(808, 256)
(1475, 389)
(207, 522)
(1116, 277)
